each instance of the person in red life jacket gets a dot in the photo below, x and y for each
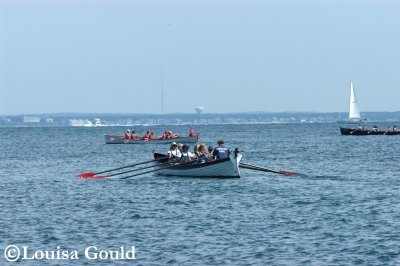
(191, 133)
(147, 136)
(127, 134)
(133, 134)
(164, 136)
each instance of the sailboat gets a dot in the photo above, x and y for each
(355, 117)
(354, 111)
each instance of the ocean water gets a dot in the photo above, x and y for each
(344, 209)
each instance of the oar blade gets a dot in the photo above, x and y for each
(87, 175)
(94, 176)
(288, 172)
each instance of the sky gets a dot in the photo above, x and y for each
(228, 56)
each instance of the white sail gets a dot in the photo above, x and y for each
(354, 113)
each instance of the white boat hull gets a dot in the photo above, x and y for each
(222, 168)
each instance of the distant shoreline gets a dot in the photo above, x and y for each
(182, 119)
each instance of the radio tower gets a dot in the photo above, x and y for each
(162, 89)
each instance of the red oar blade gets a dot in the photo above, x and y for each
(87, 175)
(288, 173)
(94, 176)
(99, 176)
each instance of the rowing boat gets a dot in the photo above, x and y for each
(228, 167)
(112, 139)
(367, 131)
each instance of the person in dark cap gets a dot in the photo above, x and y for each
(221, 152)
(210, 149)
(187, 156)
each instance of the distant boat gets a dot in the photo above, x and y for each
(363, 131)
(355, 117)
(97, 122)
(80, 123)
(114, 139)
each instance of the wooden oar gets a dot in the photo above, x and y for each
(92, 175)
(151, 171)
(130, 171)
(386, 131)
(263, 169)
(162, 168)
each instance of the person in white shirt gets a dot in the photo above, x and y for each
(174, 154)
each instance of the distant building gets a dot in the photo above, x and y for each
(31, 119)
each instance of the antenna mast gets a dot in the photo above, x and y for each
(162, 89)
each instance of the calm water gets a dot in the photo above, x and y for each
(343, 210)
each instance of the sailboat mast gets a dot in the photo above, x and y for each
(354, 112)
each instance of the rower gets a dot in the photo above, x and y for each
(180, 145)
(147, 136)
(191, 133)
(210, 150)
(196, 150)
(133, 134)
(203, 154)
(128, 134)
(221, 152)
(174, 154)
(187, 156)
